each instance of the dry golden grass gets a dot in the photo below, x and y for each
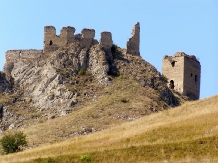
(188, 133)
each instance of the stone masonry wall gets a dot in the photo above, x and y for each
(106, 39)
(175, 72)
(134, 42)
(12, 56)
(53, 42)
(192, 72)
(87, 36)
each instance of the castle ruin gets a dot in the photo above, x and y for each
(53, 42)
(183, 72)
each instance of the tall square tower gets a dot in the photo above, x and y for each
(184, 73)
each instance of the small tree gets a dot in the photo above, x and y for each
(13, 142)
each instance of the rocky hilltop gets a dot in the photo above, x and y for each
(76, 71)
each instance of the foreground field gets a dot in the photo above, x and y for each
(188, 133)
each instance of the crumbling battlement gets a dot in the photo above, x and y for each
(133, 44)
(180, 54)
(53, 42)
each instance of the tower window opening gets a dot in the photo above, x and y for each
(20, 53)
(196, 78)
(50, 42)
(191, 74)
(173, 63)
(172, 84)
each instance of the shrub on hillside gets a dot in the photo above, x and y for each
(114, 48)
(81, 72)
(164, 78)
(13, 142)
(85, 158)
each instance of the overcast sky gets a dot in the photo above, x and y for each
(167, 26)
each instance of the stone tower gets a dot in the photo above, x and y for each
(183, 72)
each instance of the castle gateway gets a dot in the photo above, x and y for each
(183, 73)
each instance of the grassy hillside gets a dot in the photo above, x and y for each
(112, 106)
(188, 133)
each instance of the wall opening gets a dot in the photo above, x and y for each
(191, 74)
(173, 63)
(50, 42)
(172, 84)
(196, 77)
(20, 53)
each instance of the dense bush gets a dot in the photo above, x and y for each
(13, 142)
(114, 48)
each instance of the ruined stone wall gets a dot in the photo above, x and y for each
(12, 56)
(192, 72)
(175, 72)
(134, 42)
(53, 42)
(106, 39)
(185, 71)
(87, 36)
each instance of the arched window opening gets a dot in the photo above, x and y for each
(196, 77)
(191, 74)
(20, 53)
(172, 84)
(50, 42)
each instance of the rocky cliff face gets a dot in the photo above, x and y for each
(6, 82)
(62, 81)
